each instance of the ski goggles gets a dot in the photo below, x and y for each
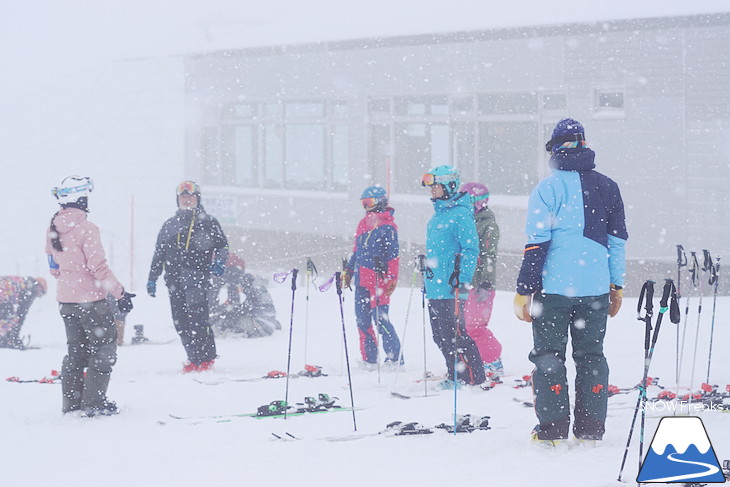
(481, 197)
(569, 141)
(188, 187)
(61, 192)
(429, 179)
(369, 203)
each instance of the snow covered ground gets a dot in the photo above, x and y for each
(42, 447)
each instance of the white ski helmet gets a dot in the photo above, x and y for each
(72, 189)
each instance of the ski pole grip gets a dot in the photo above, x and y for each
(338, 282)
(681, 256)
(708, 265)
(294, 273)
(421, 263)
(666, 292)
(647, 292)
(695, 270)
(674, 314)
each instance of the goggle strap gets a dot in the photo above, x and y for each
(480, 197)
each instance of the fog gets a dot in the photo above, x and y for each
(99, 89)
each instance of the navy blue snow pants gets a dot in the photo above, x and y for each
(444, 322)
(366, 316)
(190, 315)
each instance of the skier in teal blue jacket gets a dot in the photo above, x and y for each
(451, 232)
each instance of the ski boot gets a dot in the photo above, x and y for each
(312, 371)
(408, 429)
(107, 408)
(328, 402)
(274, 408)
(463, 425)
(139, 337)
(550, 444)
(494, 370)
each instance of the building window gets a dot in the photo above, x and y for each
(609, 99)
(508, 104)
(304, 160)
(507, 160)
(608, 103)
(418, 147)
(298, 144)
(554, 101)
(491, 137)
(421, 105)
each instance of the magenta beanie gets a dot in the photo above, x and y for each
(479, 194)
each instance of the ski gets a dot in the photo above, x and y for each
(323, 403)
(53, 378)
(231, 417)
(310, 371)
(464, 424)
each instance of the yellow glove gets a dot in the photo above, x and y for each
(522, 304)
(615, 297)
(346, 278)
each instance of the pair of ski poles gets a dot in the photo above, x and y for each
(646, 298)
(280, 278)
(694, 273)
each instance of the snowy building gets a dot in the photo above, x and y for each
(285, 137)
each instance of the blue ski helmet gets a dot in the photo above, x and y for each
(567, 134)
(374, 198)
(446, 176)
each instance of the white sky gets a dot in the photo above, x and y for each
(43, 31)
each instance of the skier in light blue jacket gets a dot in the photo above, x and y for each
(574, 265)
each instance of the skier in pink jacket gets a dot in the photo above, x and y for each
(76, 259)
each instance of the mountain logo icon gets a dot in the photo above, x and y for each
(680, 452)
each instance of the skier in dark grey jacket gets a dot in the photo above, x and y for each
(190, 246)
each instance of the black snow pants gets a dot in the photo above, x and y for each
(190, 314)
(444, 323)
(585, 319)
(91, 338)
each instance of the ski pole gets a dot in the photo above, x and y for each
(681, 262)
(405, 326)
(338, 285)
(668, 291)
(647, 292)
(454, 281)
(344, 270)
(378, 264)
(281, 278)
(694, 278)
(714, 279)
(311, 270)
(697, 330)
(424, 270)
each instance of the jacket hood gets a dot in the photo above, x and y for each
(372, 220)
(459, 199)
(68, 218)
(581, 159)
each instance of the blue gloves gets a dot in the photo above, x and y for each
(218, 267)
(151, 288)
(52, 262)
(125, 303)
